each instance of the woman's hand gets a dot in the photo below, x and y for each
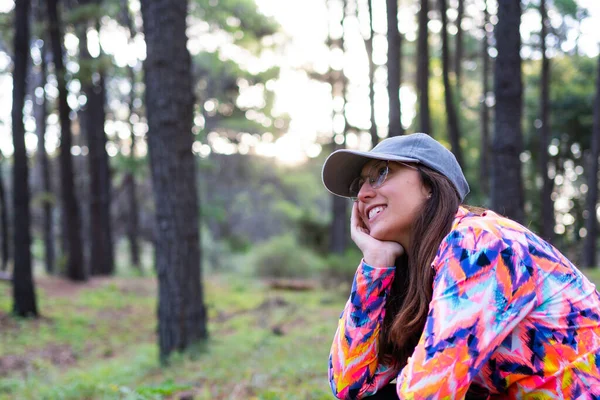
(376, 253)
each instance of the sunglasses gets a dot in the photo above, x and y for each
(376, 177)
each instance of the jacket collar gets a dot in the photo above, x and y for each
(460, 214)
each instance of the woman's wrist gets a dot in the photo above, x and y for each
(379, 260)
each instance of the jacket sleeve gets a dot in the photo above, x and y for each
(354, 371)
(481, 292)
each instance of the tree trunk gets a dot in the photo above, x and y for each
(591, 223)
(101, 245)
(338, 81)
(452, 118)
(132, 223)
(484, 159)
(423, 69)
(369, 46)
(459, 44)
(170, 109)
(41, 113)
(24, 298)
(339, 232)
(394, 69)
(507, 186)
(4, 221)
(546, 195)
(133, 207)
(73, 248)
(93, 118)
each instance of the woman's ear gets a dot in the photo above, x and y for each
(427, 191)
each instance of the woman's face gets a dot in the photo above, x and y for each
(388, 212)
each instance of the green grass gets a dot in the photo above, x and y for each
(593, 275)
(264, 344)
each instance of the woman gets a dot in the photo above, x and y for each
(449, 300)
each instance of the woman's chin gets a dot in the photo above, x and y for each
(379, 235)
(383, 235)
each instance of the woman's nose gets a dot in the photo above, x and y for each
(366, 192)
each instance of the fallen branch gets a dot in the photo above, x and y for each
(292, 284)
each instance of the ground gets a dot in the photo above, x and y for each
(97, 340)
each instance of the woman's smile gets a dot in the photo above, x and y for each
(374, 212)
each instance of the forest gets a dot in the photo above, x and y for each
(164, 230)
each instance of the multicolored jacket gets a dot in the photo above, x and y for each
(509, 312)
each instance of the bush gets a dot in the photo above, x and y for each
(313, 232)
(283, 257)
(340, 269)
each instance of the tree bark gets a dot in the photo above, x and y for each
(547, 183)
(507, 186)
(484, 159)
(169, 103)
(459, 44)
(72, 246)
(423, 69)
(93, 117)
(591, 223)
(338, 226)
(132, 223)
(4, 221)
(41, 113)
(338, 81)
(394, 69)
(101, 243)
(451, 114)
(369, 46)
(24, 298)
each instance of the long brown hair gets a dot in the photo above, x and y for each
(411, 292)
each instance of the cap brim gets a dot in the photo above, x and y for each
(342, 166)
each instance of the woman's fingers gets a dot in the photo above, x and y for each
(354, 212)
(356, 224)
(354, 218)
(358, 231)
(357, 220)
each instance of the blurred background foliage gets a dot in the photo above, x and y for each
(277, 86)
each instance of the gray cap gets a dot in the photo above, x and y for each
(342, 166)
